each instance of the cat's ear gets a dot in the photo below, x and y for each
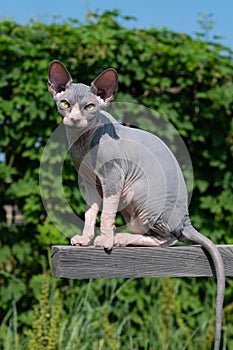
(105, 85)
(59, 78)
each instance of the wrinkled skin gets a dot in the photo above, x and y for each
(125, 170)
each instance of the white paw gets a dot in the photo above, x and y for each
(104, 241)
(80, 240)
(120, 240)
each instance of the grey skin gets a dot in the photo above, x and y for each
(125, 170)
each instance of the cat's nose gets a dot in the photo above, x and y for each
(75, 119)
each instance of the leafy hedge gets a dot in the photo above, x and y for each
(189, 82)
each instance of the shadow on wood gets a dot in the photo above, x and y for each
(132, 262)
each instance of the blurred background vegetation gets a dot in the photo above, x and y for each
(188, 81)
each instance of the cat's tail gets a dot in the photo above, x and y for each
(189, 233)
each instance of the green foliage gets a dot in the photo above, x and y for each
(118, 314)
(46, 323)
(189, 82)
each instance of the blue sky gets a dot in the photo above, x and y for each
(177, 15)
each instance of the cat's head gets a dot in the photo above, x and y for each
(77, 103)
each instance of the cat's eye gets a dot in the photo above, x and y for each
(90, 107)
(64, 104)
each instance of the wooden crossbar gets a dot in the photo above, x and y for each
(133, 262)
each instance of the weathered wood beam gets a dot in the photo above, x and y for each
(132, 262)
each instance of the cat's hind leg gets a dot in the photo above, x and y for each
(144, 240)
(141, 236)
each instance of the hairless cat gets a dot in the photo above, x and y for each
(127, 170)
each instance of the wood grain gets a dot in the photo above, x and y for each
(132, 262)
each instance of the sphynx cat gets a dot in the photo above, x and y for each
(127, 170)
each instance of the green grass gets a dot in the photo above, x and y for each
(137, 314)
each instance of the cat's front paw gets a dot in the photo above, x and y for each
(104, 241)
(82, 241)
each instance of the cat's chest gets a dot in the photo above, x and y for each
(78, 152)
(80, 149)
